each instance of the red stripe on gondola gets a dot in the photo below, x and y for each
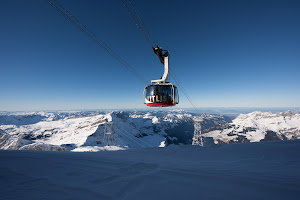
(164, 104)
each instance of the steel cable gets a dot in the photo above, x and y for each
(142, 22)
(92, 36)
(137, 24)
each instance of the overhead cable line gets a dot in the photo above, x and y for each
(138, 140)
(142, 22)
(133, 140)
(183, 90)
(65, 13)
(137, 23)
(74, 17)
(121, 141)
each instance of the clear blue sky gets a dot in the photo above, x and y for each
(225, 53)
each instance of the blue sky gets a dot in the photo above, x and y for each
(225, 53)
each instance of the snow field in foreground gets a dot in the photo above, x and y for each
(266, 170)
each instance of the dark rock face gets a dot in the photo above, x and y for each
(217, 122)
(183, 133)
(122, 115)
(271, 135)
(69, 146)
(216, 127)
(249, 129)
(43, 135)
(231, 134)
(242, 139)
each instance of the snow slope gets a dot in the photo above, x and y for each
(265, 170)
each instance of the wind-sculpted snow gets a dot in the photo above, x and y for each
(84, 131)
(258, 126)
(265, 170)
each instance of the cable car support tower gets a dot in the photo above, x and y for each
(197, 138)
(109, 136)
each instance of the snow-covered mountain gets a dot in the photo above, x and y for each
(83, 131)
(257, 126)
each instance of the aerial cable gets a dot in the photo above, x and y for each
(121, 141)
(180, 85)
(133, 140)
(183, 90)
(74, 18)
(98, 42)
(138, 24)
(138, 139)
(92, 36)
(142, 22)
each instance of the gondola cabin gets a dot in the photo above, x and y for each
(161, 95)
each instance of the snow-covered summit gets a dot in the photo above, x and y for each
(258, 126)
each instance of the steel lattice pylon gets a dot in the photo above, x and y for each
(109, 136)
(197, 138)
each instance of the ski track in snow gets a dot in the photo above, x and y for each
(265, 170)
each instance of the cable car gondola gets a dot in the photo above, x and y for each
(161, 93)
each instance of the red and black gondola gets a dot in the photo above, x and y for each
(161, 93)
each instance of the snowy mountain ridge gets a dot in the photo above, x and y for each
(258, 126)
(81, 131)
(84, 131)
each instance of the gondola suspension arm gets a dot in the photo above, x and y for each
(163, 56)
